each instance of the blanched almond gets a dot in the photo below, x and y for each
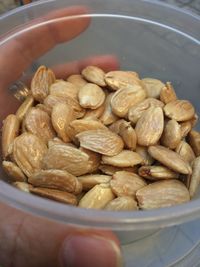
(64, 89)
(25, 106)
(171, 136)
(13, 171)
(101, 141)
(157, 173)
(143, 152)
(194, 141)
(94, 74)
(108, 116)
(195, 177)
(153, 87)
(122, 203)
(110, 170)
(89, 181)
(185, 151)
(167, 93)
(77, 80)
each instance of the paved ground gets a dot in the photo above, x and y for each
(192, 5)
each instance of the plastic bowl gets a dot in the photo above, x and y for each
(155, 40)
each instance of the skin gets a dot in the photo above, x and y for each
(26, 240)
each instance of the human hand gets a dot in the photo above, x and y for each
(26, 240)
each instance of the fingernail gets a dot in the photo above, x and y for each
(91, 250)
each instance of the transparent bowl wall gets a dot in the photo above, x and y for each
(153, 39)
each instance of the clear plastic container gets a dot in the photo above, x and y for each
(154, 39)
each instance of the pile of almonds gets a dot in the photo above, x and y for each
(103, 140)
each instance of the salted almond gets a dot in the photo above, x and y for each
(122, 204)
(62, 115)
(44, 108)
(125, 158)
(64, 89)
(77, 80)
(153, 87)
(170, 159)
(51, 101)
(56, 141)
(97, 197)
(123, 99)
(194, 141)
(115, 126)
(94, 114)
(108, 116)
(137, 110)
(94, 74)
(56, 179)
(13, 171)
(28, 153)
(23, 186)
(89, 181)
(126, 183)
(38, 122)
(10, 131)
(194, 177)
(24, 107)
(110, 170)
(185, 151)
(91, 96)
(128, 135)
(41, 83)
(93, 161)
(101, 141)
(78, 126)
(157, 173)
(143, 152)
(117, 80)
(186, 127)
(150, 126)
(171, 136)
(167, 93)
(54, 194)
(67, 158)
(179, 110)
(162, 194)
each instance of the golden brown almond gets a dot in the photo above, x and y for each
(52, 100)
(171, 136)
(67, 158)
(194, 179)
(56, 179)
(185, 128)
(123, 99)
(94, 75)
(25, 187)
(115, 126)
(97, 197)
(162, 194)
(13, 171)
(137, 110)
(150, 126)
(89, 181)
(79, 126)
(24, 107)
(56, 141)
(128, 135)
(157, 173)
(143, 152)
(194, 120)
(77, 80)
(179, 110)
(170, 159)
(93, 161)
(185, 151)
(108, 116)
(194, 141)
(94, 114)
(10, 131)
(117, 80)
(44, 108)
(28, 153)
(38, 123)
(62, 115)
(122, 204)
(101, 141)
(64, 89)
(54, 194)
(125, 158)
(110, 170)
(91, 96)
(153, 87)
(126, 183)
(41, 83)
(167, 93)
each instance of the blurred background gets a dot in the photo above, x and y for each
(192, 5)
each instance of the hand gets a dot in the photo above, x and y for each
(26, 240)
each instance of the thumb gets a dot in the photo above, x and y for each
(86, 249)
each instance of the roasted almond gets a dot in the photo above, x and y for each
(153, 87)
(171, 136)
(157, 173)
(89, 181)
(94, 75)
(24, 107)
(108, 116)
(167, 93)
(64, 89)
(13, 171)
(122, 204)
(77, 80)
(194, 141)
(185, 151)
(194, 177)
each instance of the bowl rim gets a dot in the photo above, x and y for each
(137, 220)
